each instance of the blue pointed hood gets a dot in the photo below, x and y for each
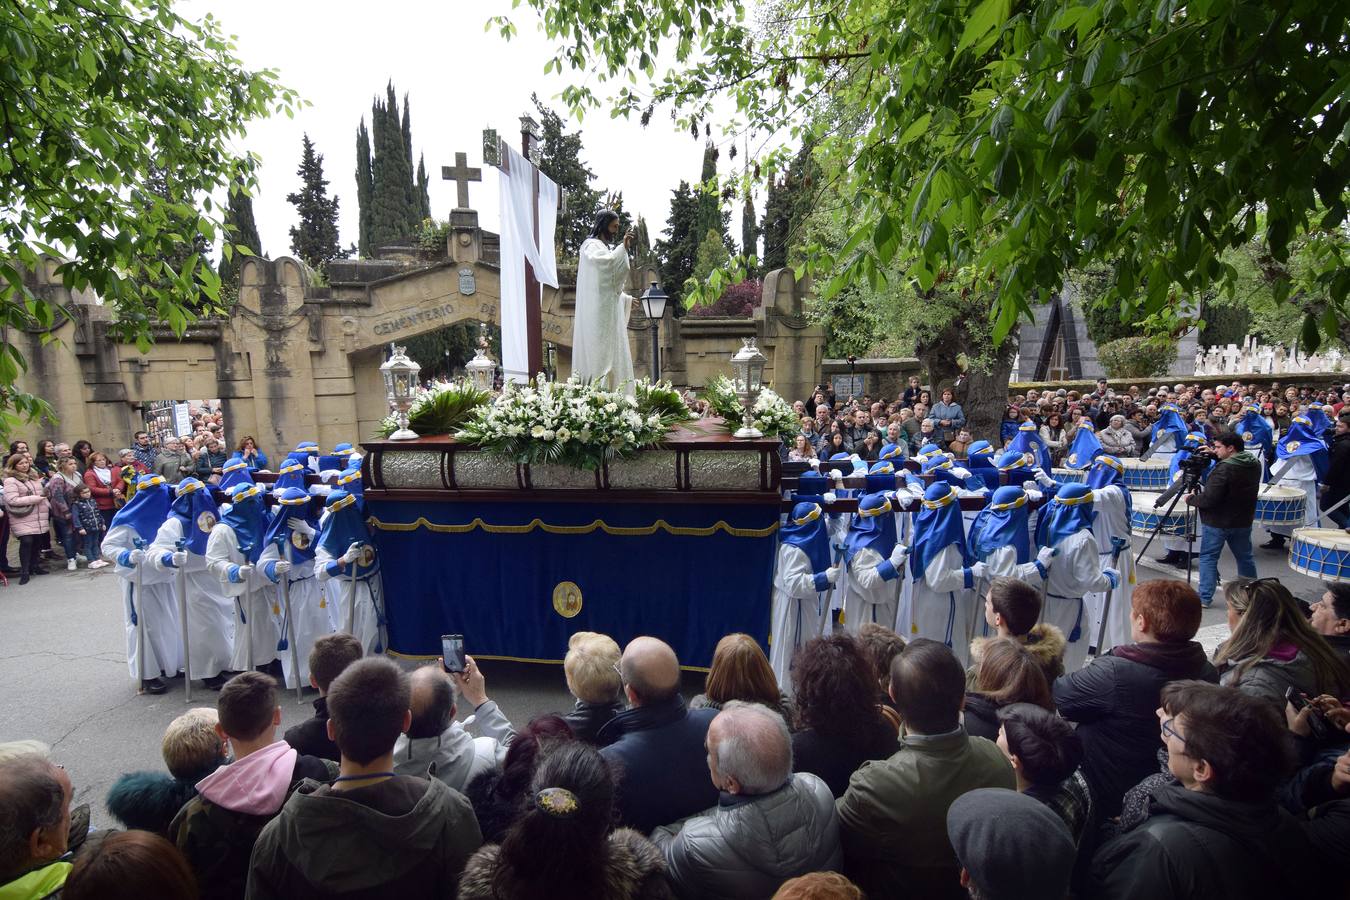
(893, 452)
(235, 471)
(980, 460)
(350, 481)
(147, 509)
(196, 510)
(1255, 431)
(343, 525)
(806, 531)
(937, 525)
(811, 486)
(881, 477)
(1300, 440)
(1085, 447)
(1069, 513)
(248, 518)
(1321, 423)
(292, 504)
(1107, 471)
(1028, 441)
(1169, 422)
(1003, 523)
(290, 475)
(1016, 466)
(942, 468)
(873, 527)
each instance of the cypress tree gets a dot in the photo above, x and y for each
(394, 214)
(749, 227)
(315, 238)
(709, 212)
(678, 248)
(788, 204)
(365, 189)
(775, 226)
(423, 195)
(240, 229)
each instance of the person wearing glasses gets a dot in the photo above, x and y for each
(1227, 504)
(1227, 753)
(1113, 700)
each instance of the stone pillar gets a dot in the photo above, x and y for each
(795, 346)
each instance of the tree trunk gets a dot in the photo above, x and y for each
(939, 358)
(987, 394)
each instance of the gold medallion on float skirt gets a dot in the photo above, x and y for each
(567, 599)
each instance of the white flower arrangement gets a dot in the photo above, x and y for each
(772, 414)
(571, 423)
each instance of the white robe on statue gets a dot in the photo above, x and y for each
(210, 617)
(798, 608)
(252, 605)
(1076, 571)
(600, 333)
(154, 605)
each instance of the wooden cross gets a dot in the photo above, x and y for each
(461, 174)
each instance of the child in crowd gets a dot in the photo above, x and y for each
(88, 524)
(192, 750)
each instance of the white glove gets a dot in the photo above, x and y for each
(899, 555)
(179, 558)
(281, 567)
(136, 557)
(814, 464)
(977, 570)
(1030, 486)
(1113, 575)
(300, 525)
(245, 573)
(353, 554)
(832, 574)
(829, 496)
(1045, 554)
(838, 476)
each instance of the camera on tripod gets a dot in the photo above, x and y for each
(1194, 466)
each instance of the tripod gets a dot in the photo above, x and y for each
(1188, 483)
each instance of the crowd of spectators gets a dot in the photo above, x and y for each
(58, 502)
(1122, 420)
(1154, 771)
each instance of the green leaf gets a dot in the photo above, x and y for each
(1310, 336)
(915, 129)
(984, 18)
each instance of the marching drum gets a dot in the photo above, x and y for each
(1323, 553)
(1280, 505)
(1149, 475)
(1144, 518)
(1068, 476)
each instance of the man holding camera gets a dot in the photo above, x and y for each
(1227, 504)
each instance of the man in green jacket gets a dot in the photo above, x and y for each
(1227, 504)
(34, 826)
(893, 817)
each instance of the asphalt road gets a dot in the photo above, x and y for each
(64, 672)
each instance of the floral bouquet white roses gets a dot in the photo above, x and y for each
(569, 423)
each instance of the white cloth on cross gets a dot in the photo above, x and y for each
(519, 206)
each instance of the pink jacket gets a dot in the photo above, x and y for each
(27, 506)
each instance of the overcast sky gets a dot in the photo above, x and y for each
(459, 78)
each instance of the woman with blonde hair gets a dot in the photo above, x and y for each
(1273, 647)
(740, 671)
(27, 507)
(591, 668)
(1007, 673)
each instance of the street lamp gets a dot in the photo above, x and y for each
(400, 379)
(481, 368)
(851, 383)
(551, 360)
(654, 300)
(748, 366)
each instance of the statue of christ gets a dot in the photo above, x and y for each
(600, 349)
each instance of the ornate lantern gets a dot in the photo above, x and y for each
(400, 380)
(654, 302)
(748, 371)
(482, 369)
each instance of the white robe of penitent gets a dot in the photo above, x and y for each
(256, 646)
(154, 607)
(798, 610)
(210, 614)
